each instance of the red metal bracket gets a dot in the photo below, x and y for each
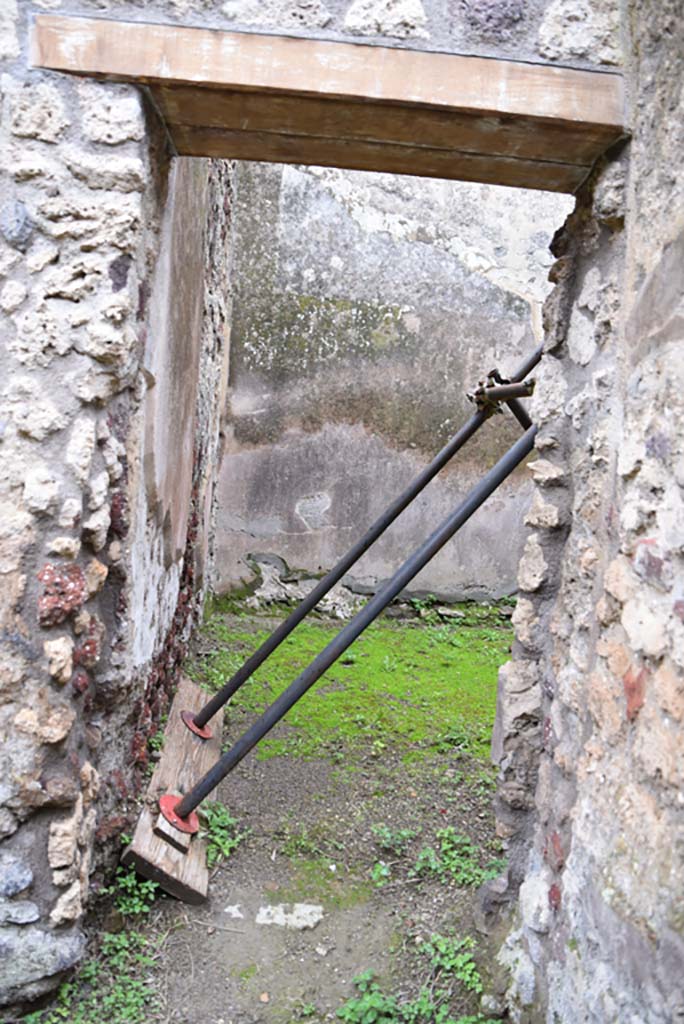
(167, 806)
(204, 732)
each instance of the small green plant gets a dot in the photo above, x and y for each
(393, 840)
(424, 606)
(304, 1011)
(427, 864)
(453, 956)
(458, 857)
(380, 873)
(301, 843)
(371, 1006)
(219, 828)
(133, 895)
(115, 986)
(156, 743)
(451, 966)
(458, 737)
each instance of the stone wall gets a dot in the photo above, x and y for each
(114, 306)
(591, 720)
(366, 305)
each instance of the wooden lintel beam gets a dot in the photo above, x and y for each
(372, 156)
(211, 84)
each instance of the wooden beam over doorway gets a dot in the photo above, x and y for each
(275, 98)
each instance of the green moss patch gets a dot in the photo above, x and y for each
(415, 686)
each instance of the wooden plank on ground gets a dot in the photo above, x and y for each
(254, 96)
(179, 866)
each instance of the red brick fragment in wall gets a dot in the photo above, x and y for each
(553, 851)
(119, 514)
(88, 652)
(555, 897)
(111, 827)
(64, 591)
(80, 681)
(634, 684)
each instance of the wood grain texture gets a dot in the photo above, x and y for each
(370, 156)
(351, 105)
(566, 141)
(180, 866)
(257, 62)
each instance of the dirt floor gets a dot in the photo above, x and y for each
(362, 830)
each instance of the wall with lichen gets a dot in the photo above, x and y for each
(114, 300)
(366, 306)
(590, 735)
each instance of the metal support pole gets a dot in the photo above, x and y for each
(503, 468)
(198, 722)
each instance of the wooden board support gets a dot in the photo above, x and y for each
(158, 851)
(275, 98)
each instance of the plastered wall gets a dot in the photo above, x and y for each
(366, 306)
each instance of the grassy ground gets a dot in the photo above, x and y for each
(372, 799)
(414, 685)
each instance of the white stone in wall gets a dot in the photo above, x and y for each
(98, 488)
(96, 527)
(9, 41)
(533, 569)
(95, 575)
(59, 653)
(70, 513)
(36, 167)
(75, 280)
(106, 343)
(46, 724)
(581, 343)
(16, 534)
(34, 416)
(645, 627)
(121, 173)
(111, 113)
(281, 14)
(534, 902)
(12, 296)
(41, 488)
(545, 473)
(524, 620)
(543, 513)
(549, 394)
(40, 256)
(580, 28)
(65, 547)
(37, 112)
(96, 385)
(97, 223)
(80, 448)
(402, 19)
(69, 906)
(8, 258)
(40, 336)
